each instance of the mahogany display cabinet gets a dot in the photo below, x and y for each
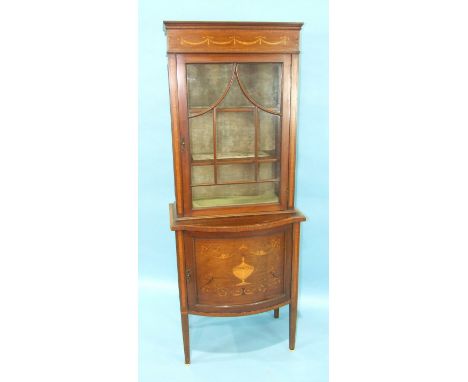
(233, 98)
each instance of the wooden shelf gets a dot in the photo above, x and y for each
(235, 200)
(232, 158)
(236, 182)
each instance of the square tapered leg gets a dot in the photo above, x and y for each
(294, 288)
(292, 325)
(186, 337)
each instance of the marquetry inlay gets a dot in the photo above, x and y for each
(207, 40)
(243, 271)
(240, 268)
(234, 40)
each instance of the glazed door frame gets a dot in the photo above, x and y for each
(182, 60)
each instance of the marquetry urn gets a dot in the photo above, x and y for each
(233, 101)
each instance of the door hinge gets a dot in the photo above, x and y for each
(188, 275)
(182, 144)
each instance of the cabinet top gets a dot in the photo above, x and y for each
(230, 25)
(232, 37)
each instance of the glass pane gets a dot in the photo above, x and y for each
(238, 194)
(202, 175)
(239, 136)
(268, 171)
(269, 134)
(201, 136)
(235, 135)
(235, 98)
(263, 82)
(236, 172)
(206, 83)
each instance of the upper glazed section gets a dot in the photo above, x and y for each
(231, 37)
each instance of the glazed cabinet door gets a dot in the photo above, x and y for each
(241, 271)
(234, 117)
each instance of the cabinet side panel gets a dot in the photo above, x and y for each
(190, 270)
(172, 68)
(285, 135)
(181, 271)
(292, 128)
(295, 263)
(288, 249)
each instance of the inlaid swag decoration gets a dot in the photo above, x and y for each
(233, 40)
(191, 37)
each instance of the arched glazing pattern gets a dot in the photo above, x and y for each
(234, 113)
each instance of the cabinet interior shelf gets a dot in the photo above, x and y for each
(236, 182)
(235, 200)
(207, 159)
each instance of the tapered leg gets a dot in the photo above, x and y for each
(276, 314)
(292, 325)
(186, 337)
(183, 293)
(294, 287)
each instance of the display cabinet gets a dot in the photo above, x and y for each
(233, 99)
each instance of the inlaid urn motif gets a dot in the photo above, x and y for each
(243, 271)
